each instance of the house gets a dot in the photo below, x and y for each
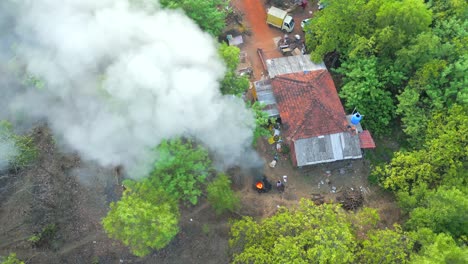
(314, 122)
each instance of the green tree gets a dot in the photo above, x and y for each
(423, 49)
(232, 83)
(261, 122)
(364, 220)
(181, 169)
(306, 234)
(221, 196)
(437, 248)
(365, 89)
(439, 162)
(11, 259)
(443, 210)
(16, 150)
(145, 218)
(447, 9)
(386, 246)
(209, 15)
(361, 28)
(420, 97)
(398, 22)
(334, 27)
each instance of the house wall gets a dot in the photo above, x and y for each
(292, 152)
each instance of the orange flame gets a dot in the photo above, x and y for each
(259, 185)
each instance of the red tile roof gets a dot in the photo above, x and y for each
(366, 140)
(309, 105)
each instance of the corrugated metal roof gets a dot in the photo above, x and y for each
(327, 148)
(292, 64)
(265, 96)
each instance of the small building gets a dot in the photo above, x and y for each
(314, 123)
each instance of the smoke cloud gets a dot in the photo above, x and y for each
(8, 152)
(115, 77)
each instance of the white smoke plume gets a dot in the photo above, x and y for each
(119, 77)
(8, 152)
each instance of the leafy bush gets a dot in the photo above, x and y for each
(386, 246)
(145, 218)
(437, 248)
(11, 259)
(181, 168)
(221, 196)
(307, 234)
(209, 15)
(444, 211)
(232, 83)
(44, 237)
(17, 151)
(261, 122)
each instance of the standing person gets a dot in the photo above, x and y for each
(279, 186)
(304, 4)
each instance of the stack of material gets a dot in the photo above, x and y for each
(351, 199)
(318, 198)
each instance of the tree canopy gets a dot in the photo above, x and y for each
(145, 218)
(386, 246)
(16, 151)
(306, 234)
(209, 15)
(439, 161)
(181, 168)
(437, 248)
(232, 82)
(147, 215)
(220, 195)
(407, 57)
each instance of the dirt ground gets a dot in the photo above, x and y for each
(73, 195)
(261, 35)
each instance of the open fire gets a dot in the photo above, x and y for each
(262, 185)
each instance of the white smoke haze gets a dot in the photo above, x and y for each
(8, 152)
(119, 79)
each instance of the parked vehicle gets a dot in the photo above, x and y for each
(305, 22)
(280, 19)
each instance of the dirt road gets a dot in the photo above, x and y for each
(261, 34)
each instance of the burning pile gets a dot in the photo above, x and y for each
(262, 185)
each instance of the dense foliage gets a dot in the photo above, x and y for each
(326, 234)
(147, 215)
(220, 195)
(365, 84)
(181, 169)
(403, 57)
(386, 246)
(430, 182)
(11, 259)
(16, 151)
(437, 248)
(145, 218)
(232, 82)
(440, 160)
(209, 15)
(307, 234)
(261, 122)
